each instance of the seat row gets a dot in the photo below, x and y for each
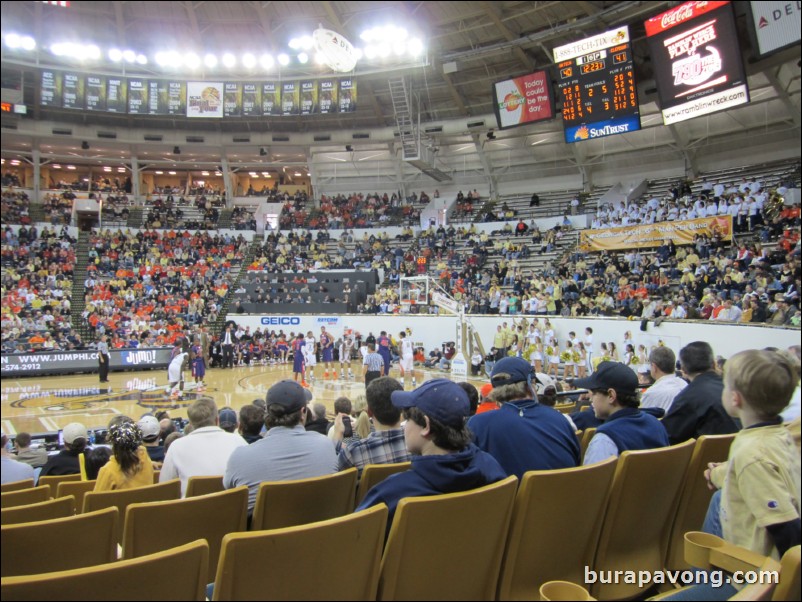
(502, 541)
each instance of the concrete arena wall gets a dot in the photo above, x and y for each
(431, 331)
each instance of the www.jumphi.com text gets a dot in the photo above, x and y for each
(715, 578)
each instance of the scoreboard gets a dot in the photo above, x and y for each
(596, 84)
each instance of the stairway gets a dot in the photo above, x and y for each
(224, 221)
(135, 216)
(36, 212)
(78, 304)
(248, 258)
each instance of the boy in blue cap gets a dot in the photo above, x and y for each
(444, 459)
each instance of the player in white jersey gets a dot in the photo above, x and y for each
(309, 356)
(175, 374)
(346, 348)
(407, 361)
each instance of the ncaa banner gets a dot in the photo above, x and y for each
(653, 235)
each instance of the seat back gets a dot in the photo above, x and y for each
(587, 435)
(122, 498)
(23, 497)
(78, 489)
(60, 544)
(640, 511)
(16, 485)
(255, 566)
(695, 497)
(176, 574)
(154, 526)
(790, 585)
(289, 503)
(537, 549)
(448, 547)
(204, 485)
(54, 480)
(376, 473)
(57, 508)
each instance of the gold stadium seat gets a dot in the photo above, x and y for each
(122, 498)
(23, 497)
(203, 485)
(696, 495)
(257, 565)
(449, 546)
(50, 509)
(537, 549)
(376, 473)
(640, 511)
(54, 480)
(154, 526)
(289, 503)
(587, 435)
(79, 489)
(16, 485)
(60, 544)
(176, 574)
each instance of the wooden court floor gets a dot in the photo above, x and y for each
(48, 403)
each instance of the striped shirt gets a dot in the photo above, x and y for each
(374, 362)
(380, 447)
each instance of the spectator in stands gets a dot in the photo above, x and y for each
(444, 460)
(12, 470)
(386, 443)
(667, 385)
(251, 422)
(151, 431)
(66, 461)
(316, 419)
(522, 434)
(287, 452)
(35, 456)
(697, 409)
(759, 495)
(129, 465)
(204, 451)
(227, 420)
(614, 399)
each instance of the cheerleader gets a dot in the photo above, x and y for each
(582, 363)
(536, 355)
(643, 355)
(553, 353)
(568, 360)
(298, 358)
(612, 351)
(630, 359)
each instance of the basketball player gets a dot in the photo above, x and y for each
(198, 364)
(407, 361)
(175, 371)
(326, 352)
(310, 359)
(346, 347)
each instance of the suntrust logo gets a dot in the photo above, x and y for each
(281, 321)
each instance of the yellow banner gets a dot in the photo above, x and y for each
(653, 235)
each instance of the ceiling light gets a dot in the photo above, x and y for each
(121, 170)
(210, 61)
(158, 173)
(283, 59)
(15, 162)
(172, 173)
(13, 40)
(248, 61)
(161, 59)
(91, 52)
(28, 43)
(115, 55)
(229, 60)
(266, 174)
(141, 59)
(384, 50)
(266, 61)
(307, 42)
(192, 60)
(55, 166)
(399, 48)
(129, 56)
(218, 173)
(71, 167)
(294, 43)
(303, 58)
(370, 52)
(107, 169)
(415, 47)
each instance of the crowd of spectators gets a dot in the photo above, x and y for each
(37, 290)
(148, 287)
(15, 207)
(169, 212)
(242, 218)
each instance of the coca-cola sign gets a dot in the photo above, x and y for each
(680, 14)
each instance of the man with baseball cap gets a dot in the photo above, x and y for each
(288, 451)
(614, 397)
(444, 459)
(151, 430)
(66, 461)
(522, 434)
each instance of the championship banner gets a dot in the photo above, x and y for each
(653, 235)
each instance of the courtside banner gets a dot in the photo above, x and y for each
(697, 60)
(653, 235)
(70, 362)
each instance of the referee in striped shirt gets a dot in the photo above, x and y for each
(373, 364)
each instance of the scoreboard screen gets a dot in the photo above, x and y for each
(596, 84)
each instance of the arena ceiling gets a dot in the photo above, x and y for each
(478, 42)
